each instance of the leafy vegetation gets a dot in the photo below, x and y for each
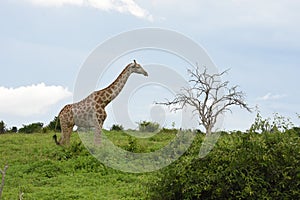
(278, 123)
(117, 127)
(2, 127)
(253, 165)
(241, 166)
(146, 126)
(32, 128)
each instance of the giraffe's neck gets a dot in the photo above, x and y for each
(113, 90)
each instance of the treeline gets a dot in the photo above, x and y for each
(54, 125)
(260, 124)
(36, 127)
(143, 126)
(3, 128)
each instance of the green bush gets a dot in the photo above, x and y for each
(116, 127)
(2, 127)
(14, 129)
(146, 126)
(132, 144)
(169, 131)
(240, 166)
(32, 128)
(278, 123)
(70, 152)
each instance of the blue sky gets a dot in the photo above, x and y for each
(45, 42)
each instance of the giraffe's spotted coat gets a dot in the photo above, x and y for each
(90, 112)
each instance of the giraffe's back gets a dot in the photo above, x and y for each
(86, 112)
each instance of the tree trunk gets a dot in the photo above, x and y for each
(208, 130)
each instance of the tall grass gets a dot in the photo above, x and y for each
(41, 170)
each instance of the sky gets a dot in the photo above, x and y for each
(44, 44)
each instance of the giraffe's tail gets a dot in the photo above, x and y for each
(55, 129)
(55, 140)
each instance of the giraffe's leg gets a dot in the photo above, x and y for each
(66, 134)
(66, 123)
(99, 120)
(64, 130)
(98, 132)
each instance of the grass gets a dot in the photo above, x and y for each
(41, 170)
(144, 145)
(239, 163)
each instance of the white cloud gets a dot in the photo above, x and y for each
(122, 6)
(30, 100)
(270, 96)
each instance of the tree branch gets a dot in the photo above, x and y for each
(206, 97)
(3, 172)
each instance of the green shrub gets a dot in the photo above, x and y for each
(14, 129)
(132, 144)
(240, 166)
(116, 127)
(32, 128)
(278, 123)
(146, 126)
(169, 131)
(2, 127)
(88, 164)
(70, 152)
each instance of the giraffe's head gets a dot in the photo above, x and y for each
(137, 68)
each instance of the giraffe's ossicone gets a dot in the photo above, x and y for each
(90, 112)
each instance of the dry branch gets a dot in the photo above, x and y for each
(208, 96)
(2, 172)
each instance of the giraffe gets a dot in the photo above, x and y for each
(90, 112)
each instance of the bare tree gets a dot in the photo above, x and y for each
(2, 172)
(208, 96)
